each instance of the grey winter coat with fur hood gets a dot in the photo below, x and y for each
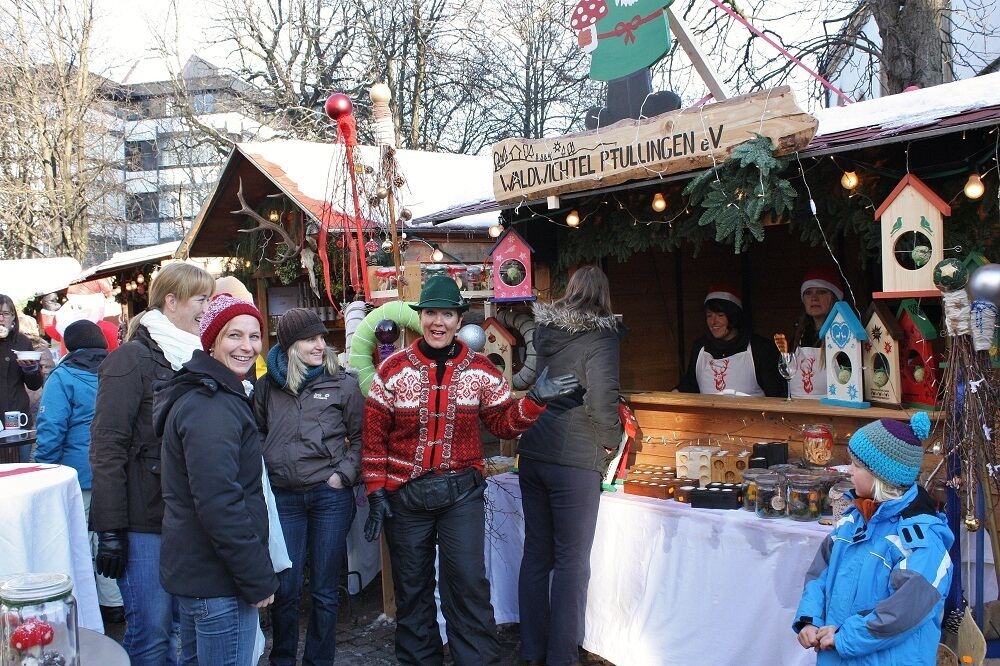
(577, 430)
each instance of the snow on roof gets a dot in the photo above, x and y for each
(138, 257)
(23, 278)
(312, 174)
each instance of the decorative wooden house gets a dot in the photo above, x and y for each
(511, 258)
(917, 358)
(843, 336)
(881, 355)
(499, 346)
(912, 223)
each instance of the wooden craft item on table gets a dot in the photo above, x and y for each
(661, 487)
(695, 462)
(728, 466)
(843, 335)
(718, 496)
(883, 383)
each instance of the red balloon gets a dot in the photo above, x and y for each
(338, 105)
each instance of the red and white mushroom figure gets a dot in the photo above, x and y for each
(31, 637)
(584, 20)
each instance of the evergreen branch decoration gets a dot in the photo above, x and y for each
(736, 194)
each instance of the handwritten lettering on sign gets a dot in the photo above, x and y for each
(673, 142)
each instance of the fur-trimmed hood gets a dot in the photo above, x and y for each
(556, 316)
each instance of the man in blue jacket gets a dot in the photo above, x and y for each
(64, 417)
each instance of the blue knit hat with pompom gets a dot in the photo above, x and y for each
(892, 450)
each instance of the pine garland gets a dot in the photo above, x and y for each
(736, 194)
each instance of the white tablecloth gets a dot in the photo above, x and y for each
(671, 584)
(42, 530)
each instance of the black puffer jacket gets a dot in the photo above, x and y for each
(13, 378)
(124, 449)
(576, 430)
(215, 530)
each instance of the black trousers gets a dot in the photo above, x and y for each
(458, 531)
(560, 515)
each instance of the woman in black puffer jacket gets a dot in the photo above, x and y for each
(562, 459)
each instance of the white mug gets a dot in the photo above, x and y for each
(14, 420)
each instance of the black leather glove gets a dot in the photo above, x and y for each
(378, 511)
(112, 553)
(545, 389)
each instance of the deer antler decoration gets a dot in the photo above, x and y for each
(266, 225)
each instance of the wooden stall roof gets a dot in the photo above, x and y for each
(306, 173)
(121, 261)
(949, 107)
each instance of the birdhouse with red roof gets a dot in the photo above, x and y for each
(511, 258)
(499, 348)
(918, 362)
(912, 224)
(881, 355)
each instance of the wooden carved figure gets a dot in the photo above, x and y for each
(881, 355)
(843, 336)
(512, 279)
(912, 225)
(917, 359)
(499, 347)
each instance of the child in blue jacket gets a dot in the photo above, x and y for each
(875, 593)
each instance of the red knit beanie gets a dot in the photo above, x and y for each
(220, 311)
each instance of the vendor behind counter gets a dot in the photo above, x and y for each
(730, 359)
(820, 289)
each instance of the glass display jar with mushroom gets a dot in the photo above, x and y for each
(38, 625)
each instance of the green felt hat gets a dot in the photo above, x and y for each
(441, 292)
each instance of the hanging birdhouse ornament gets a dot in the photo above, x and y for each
(499, 347)
(881, 355)
(912, 226)
(843, 336)
(511, 258)
(918, 362)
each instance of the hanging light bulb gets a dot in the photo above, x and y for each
(659, 203)
(573, 219)
(273, 215)
(974, 187)
(496, 230)
(437, 255)
(140, 279)
(849, 180)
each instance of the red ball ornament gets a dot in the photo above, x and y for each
(338, 105)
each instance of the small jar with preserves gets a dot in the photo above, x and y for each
(749, 488)
(817, 443)
(805, 501)
(770, 500)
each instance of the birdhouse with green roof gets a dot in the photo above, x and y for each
(843, 336)
(912, 231)
(918, 362)
(881, 355)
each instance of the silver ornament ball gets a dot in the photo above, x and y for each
(474, 336)
(985, 283)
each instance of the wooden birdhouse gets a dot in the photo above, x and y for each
(512, 279)
(881, 355)
(912, 223)
(917, 359)
(499, 347)
(843, 336)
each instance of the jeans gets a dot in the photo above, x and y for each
(314, 522)
(217, 631)
(458, 531)
(151, 632)
(108, 593)
(560, 516)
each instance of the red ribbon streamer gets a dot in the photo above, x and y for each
(349, 137)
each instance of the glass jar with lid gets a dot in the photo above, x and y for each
(840, 501)
(817, 443)
(38, 621)
(805, 501)
(749, 488)
(770, 499)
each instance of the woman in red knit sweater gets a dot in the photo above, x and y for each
(422, 462)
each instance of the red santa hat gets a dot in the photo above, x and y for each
(725, 292)
(823, 278)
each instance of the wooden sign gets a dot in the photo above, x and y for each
(673, 142)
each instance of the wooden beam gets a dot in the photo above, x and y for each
(698, 58)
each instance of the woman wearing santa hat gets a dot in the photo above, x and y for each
(821, 288)
(731, 359)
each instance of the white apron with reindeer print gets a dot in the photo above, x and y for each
(809, 380)
(734, 373)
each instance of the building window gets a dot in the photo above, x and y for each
(140, 155)
(204, 103)
(142, 206)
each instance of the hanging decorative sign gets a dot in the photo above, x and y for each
(669, 143)
(622, 36)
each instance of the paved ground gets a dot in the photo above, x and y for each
(365, 635)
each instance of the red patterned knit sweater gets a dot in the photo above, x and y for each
(413, 425)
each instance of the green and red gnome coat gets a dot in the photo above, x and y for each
(622, 36)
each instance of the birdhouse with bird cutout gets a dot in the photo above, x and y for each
(881, 355)
(843, 337)
(499, 348)
(512, 277)
(918, 361)
(912, 230)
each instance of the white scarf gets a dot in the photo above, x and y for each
(177, 345)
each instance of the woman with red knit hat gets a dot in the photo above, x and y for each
(730, 359)
(821, 288)
(214, 558)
